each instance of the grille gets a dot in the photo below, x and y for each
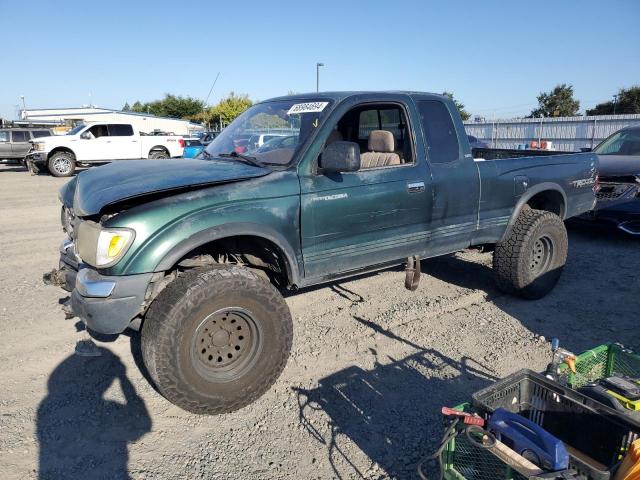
(612, 192)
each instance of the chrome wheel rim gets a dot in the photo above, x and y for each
(62, 165)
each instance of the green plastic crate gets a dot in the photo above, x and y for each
(602, 362)
(462, 460)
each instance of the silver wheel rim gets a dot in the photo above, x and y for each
(62, 165)
(226, 344)
(542, 253)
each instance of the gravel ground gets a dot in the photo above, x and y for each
(372, 364)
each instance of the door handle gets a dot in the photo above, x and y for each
(415, 187)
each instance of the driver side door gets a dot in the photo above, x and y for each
(355, 220)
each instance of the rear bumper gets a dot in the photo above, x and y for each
(106, 304)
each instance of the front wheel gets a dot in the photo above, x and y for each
(62, 164)
(216, 339)
(529, 262)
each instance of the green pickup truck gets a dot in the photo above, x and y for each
(195, 253)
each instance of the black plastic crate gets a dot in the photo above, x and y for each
(596, 436)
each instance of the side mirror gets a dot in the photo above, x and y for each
(85, 136)
(585, 149)
(340, 157)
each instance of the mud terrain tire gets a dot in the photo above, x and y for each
(216, 339)
(529, 262)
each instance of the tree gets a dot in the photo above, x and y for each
(126, 107)
(225, 111)
(463, 113)
(627, 101)
(559, 102)
(174, 106)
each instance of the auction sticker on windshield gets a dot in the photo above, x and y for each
(309, 107)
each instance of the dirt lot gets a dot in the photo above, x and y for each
(371, 366)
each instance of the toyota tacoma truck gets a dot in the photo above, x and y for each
(196, 255)
(98, 143)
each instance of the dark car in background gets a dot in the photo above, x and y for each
(207, 137)
(15, 142)
(475, 143)
(619, 173)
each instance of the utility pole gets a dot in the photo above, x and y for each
(540, 132)
(318, 65)
(615, 102)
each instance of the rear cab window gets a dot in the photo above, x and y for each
(439, 132)
(20, 136)
(120, 130)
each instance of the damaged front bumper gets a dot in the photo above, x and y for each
(106, 304)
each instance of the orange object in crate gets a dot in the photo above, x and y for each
(630, 467)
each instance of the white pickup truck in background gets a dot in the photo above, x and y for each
(96, 143)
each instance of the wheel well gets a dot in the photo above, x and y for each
(255, 252)
(548, 200)
(61, 149)
(158, 148)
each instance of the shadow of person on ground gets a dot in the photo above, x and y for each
(391, 412)
(80, 433)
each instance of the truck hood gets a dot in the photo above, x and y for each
(619, 165)
(94, 189)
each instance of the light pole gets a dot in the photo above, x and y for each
(318, 65)
(615, 102)
(23, 104)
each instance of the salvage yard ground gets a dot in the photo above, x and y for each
(372, 363)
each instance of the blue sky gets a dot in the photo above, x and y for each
(496, 56)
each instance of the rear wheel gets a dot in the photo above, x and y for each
(62, 164)
(216, 339)
(529, 262)
(158, 154)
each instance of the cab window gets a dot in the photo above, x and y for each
(382, 132)
(20, 136)
(439, 132)
(99, 131)
(120, 130)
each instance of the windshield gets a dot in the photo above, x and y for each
(270, 132)
(76, 129)
(625, 142)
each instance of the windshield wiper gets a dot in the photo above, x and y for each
(205, 154)
(245, 158)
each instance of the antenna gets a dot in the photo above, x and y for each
(211, 89)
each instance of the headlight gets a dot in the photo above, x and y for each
(102, 247)
(112, 244)
(38, 146)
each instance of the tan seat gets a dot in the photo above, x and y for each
(381, 151)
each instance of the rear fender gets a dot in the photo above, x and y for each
(528, 195)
